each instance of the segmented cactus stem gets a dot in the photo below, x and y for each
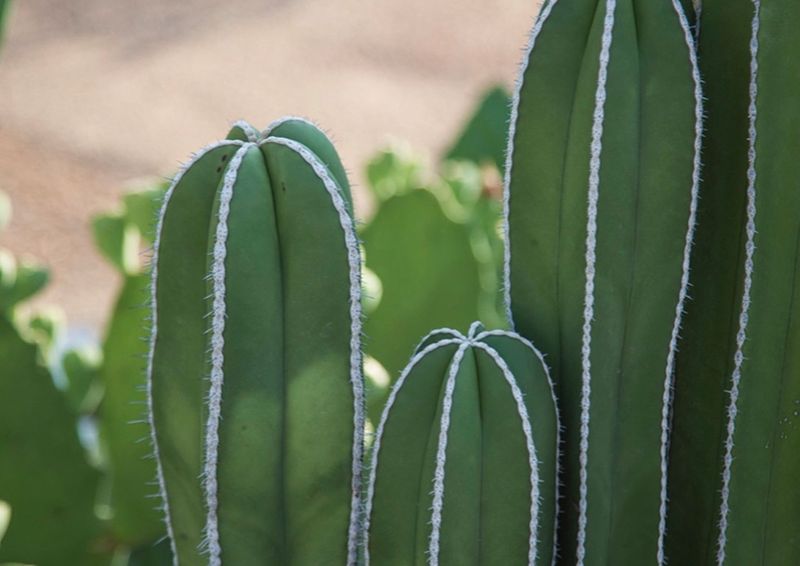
(666, 409)
(741, 335)
(154, 334)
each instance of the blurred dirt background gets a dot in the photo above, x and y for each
(96, 93)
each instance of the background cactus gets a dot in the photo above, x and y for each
(465, 456)
(607, 111)
(734, 498)
(276, 432)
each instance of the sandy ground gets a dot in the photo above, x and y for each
(94, 93)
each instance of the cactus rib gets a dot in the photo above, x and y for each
(354, 260)
(162, 490)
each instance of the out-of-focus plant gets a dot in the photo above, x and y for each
(433, 244)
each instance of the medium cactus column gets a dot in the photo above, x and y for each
(737, 412)
(254, 372)
(465, 456)
(601, 190)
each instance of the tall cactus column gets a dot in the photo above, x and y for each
(465, 457)
(254, 376)
(601, 189)
(738, 390)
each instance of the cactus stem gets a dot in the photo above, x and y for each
(744, 314)
(591, 244)
(441, 456)
(666, 407)
(376, 445)
(154, 335)
(544, 13)
(354, 260)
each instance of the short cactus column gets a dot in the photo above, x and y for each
(255, 384)
(465, 457)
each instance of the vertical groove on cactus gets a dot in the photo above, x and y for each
(154, 334)
(544, 13)
(441, 456)
(666, 409)
(591, 243)
(741, 335)
(376, 445)
(354, 259)
(218, 314)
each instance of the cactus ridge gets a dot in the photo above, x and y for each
(354, 259)
(744, 314)
(591, 257)
(541, 18)
(436, 340)
(162, 490)
(666, 405)
(218, 316)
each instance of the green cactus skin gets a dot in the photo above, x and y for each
(465, 458)
(256, 262)
(607, 111)
(737, 435)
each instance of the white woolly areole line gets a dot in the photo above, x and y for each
(154, 334)
(447, 331)
(376, 445)
(356, 376)
(540, 356)
(544, 13)
(533, 461)
(441, 457)
(666, 405)
(591, 258)
(744, 315)
(218, 314)
(251, 133)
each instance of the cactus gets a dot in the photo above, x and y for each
(465, 456)
(276, 432)
(737, 433)
(601, 188)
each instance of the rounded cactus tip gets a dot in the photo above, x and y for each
(465, 457)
